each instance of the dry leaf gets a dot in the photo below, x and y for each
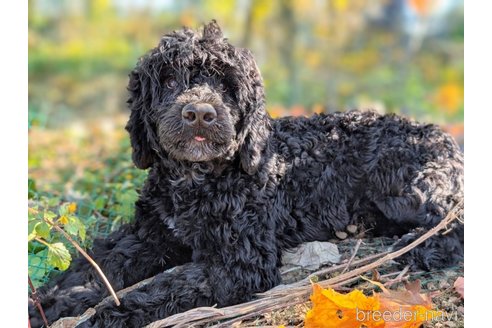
(459, 286)
(332, 309)
(406, 309)
(389, 309)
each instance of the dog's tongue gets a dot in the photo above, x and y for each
(198, 138)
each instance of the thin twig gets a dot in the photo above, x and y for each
(88, 258)
(36, 301)
(228, 323)
(307, 281)
(356, 249)
(398, 278)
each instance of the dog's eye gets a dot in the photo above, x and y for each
(171, 84)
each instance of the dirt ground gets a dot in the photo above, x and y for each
(439, 284)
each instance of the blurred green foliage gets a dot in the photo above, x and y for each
(86, 206)
(396, 56)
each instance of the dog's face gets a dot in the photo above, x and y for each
(197, 117)
(197, 98)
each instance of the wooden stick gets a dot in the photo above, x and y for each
(36, 301)
(397, 278)
(356, 249)
(88, 258)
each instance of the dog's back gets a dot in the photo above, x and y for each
(382, 172)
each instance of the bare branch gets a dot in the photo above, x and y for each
(88, 258)
(356, 249)
(35, 299)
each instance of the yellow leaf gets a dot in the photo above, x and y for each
(72, 207)
(63, 219)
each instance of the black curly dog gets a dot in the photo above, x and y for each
(229, 188)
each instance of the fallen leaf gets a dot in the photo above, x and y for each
(405, 308)
(332, 309)
(389, 309)
(459, 286)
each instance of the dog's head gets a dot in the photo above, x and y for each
(197, 98)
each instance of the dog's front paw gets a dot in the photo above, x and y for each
(437, 252)
(34, 315)
(404, 241)
(127, 315)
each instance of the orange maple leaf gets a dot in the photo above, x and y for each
(332, 309)
(389, 309)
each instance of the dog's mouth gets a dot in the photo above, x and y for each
(200, 138)
(198, 144)
(200, 148)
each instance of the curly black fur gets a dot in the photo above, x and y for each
(224, 199)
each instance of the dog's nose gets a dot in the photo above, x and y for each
(201, 113)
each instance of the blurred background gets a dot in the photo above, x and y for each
(392, 55)
(403, 56)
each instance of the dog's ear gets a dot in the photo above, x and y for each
(141, 133)
(255, 125)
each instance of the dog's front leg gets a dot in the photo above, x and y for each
(125, 257)
(204, 283)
